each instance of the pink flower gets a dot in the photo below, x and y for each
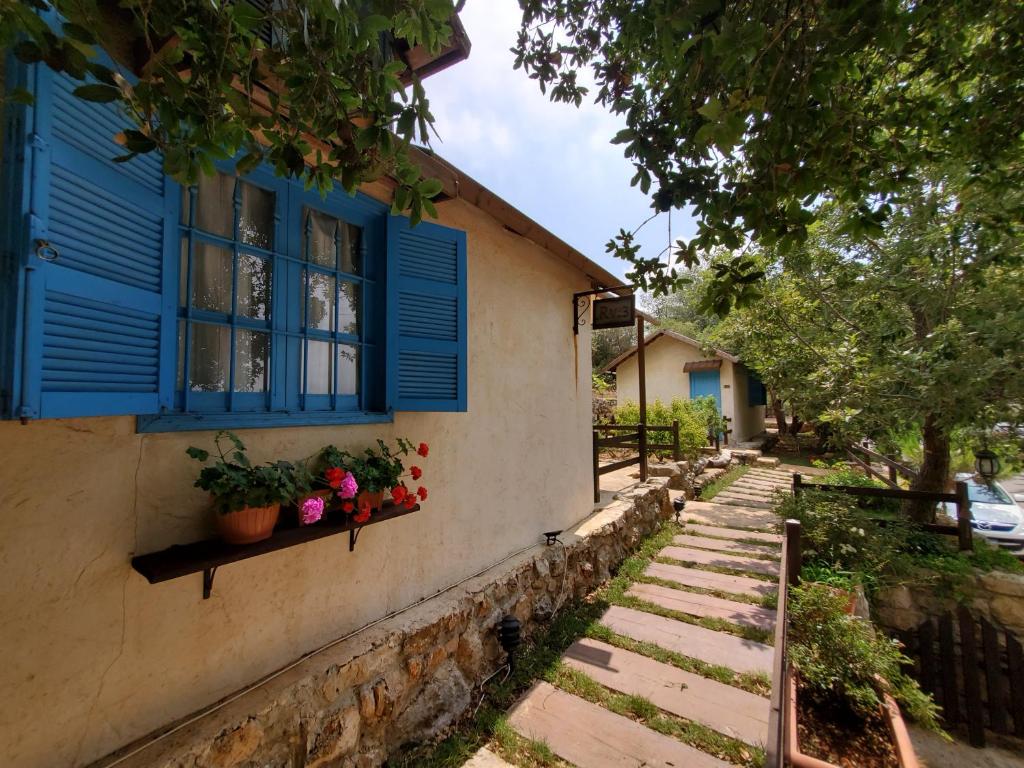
(349, 486)
(312, 510)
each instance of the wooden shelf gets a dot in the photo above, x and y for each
(206, 556)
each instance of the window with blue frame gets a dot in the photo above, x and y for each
(240, 302)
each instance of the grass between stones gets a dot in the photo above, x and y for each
(644, 711)
(755, 634)
(748, 599)
(720, 483)
(537, 659)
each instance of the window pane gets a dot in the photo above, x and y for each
(321, 302)
(256, 224)
(215, 210)
(348, 370)
(348, 308)
(351, 256)
(252, 353)
(211, 278)
(253, 287)
(319, 369)
(318, 244)
(208, 364)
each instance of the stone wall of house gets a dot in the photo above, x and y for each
(996, 595)
(410, 677)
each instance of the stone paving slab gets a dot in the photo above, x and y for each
(690, 640)
(724, 545)
(695, 577)
(591, 737)
(484, 758)
(733, 533)
(721, 560)
(756, 497)
(743, 501)
(721, 707)
(730, 515)
(705, 606)
(757, 484)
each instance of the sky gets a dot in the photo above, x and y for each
(552, 161)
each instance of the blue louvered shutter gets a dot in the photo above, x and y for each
(426, 317)
(99, 326)
(756, 392)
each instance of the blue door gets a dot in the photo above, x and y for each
(704, 383)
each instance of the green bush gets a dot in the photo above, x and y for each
(841, 656)
(837, 534)
(692, 415)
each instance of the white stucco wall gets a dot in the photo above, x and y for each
(666, 380)
(95, 657)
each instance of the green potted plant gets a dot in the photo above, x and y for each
(247, 498)
(377, 471)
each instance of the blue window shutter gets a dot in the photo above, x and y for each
(756, 392)
(98, 325)
(426, 309)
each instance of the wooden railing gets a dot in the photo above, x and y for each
(896, 469)
(789, 576)
(636, 438)
(962, 529)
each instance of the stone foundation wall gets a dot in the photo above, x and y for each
(410, 677)
(996, 595)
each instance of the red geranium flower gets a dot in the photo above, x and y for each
(363, 516)
(334, 476)
(423, 450)
(398, 493)
(410, 501)
(422, 492)
(347, 507)
(416, 472)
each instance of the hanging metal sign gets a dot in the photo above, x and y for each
(614, 313)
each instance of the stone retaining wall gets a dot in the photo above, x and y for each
(996, 595)
(410, 677)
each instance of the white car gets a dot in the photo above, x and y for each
(994, 514)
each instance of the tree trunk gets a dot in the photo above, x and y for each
(795, 424)
(934, 473)
(780, 414)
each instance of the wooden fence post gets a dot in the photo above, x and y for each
(677, 451)
(963, 517)
(798, 484)
(597, 471)
(794, 552)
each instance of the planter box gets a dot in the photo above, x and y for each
(890, 711)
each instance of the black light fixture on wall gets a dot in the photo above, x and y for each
(508, 636)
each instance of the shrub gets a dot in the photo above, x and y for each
(692, 416)
(839, 535)
(839, 655)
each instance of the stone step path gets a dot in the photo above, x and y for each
(590, 736)
(705, 606)
(721, 560)
(706, 645)
(725, 545)
(702, 579)
(721, 707)
(732, 533)
(735, 532)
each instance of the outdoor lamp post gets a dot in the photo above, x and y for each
(986, 463)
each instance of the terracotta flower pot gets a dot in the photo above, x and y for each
(890, 711)
(249, 525)
(374, 498)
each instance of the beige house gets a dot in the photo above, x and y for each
(678, 367)
(94, 469)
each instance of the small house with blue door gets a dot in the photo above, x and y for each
(680, 367)
(139, 316)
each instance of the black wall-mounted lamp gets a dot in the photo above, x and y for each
(508, 636)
